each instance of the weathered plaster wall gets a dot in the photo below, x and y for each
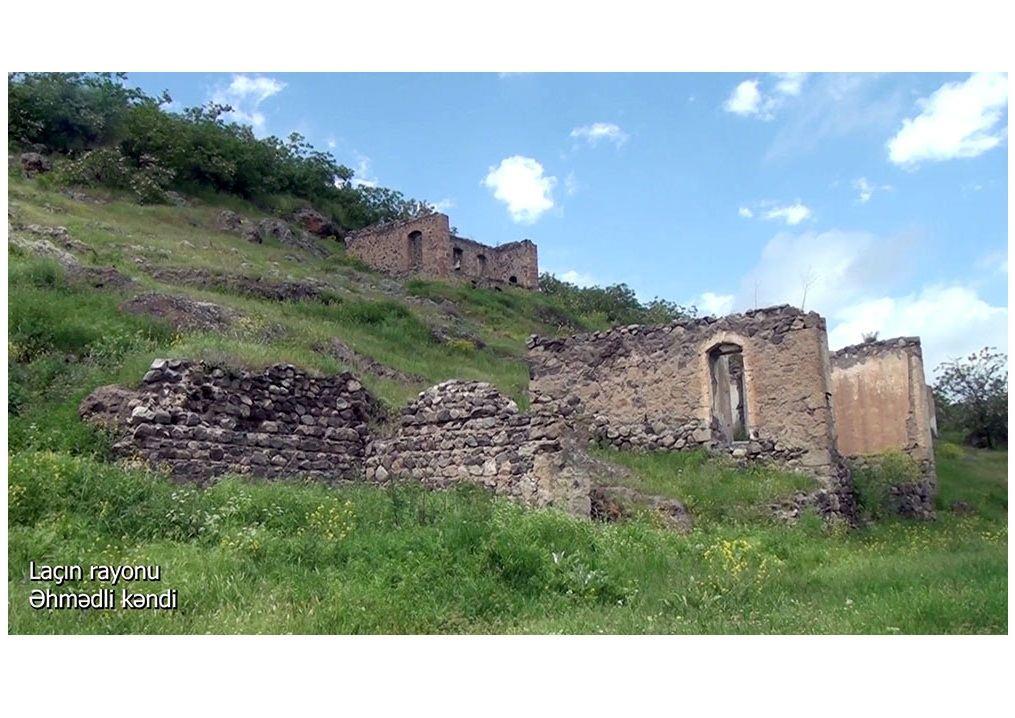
(882, 404)
(650, 387)
(881, 400)
(468, 431)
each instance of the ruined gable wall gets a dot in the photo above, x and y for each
(386, 247)
(202, 421)
(516, 259)
(650, 387)
(519, 260)
(880, 398)
(468, 431)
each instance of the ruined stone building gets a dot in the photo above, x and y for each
(426, 247)
(761, 384)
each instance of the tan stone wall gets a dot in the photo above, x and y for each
(881, 399)
(650, 387)
(386, 247)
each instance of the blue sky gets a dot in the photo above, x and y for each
(878, 200)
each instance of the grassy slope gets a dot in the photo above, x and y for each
(282, 558)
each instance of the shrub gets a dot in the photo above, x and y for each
(874, 477)
(147, 180)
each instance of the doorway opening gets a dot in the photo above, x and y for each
(415, 251)
(729, 395)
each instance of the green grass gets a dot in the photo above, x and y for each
(307, 559)
(293, 558)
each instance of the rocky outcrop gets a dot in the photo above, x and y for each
(43, 244)
(33, 163)
(239, 284)
(181, 312)
(260, 230)
(315, 223)
(202, 421)
(468, 431)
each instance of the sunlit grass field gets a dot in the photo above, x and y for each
(302, 558)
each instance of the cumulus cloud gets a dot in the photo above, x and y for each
(245, 95)
(748, 99)
(717, 305)
(850, 278)
(960, 119)
(597, 132)
(745, 212)
(951, 321)
(573, 276)
(791, 214)
(523, 185)
(443, 205)
(745, 99)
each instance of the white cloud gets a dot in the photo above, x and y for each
(245, 95)
(745, 99)
(522, 184)
(866, 189)
(791, 214)
(443, 205)
(598, 131)
(745, 212)
(790, 83)
(849, 277)
(961, 119)
(749, 100)
(951, 321)
(573, 276)
(714, 304)
(362, 175)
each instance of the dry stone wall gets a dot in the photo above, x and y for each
(468, 431)
(201, 421)
(652, 387)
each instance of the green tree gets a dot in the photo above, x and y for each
(972, 396)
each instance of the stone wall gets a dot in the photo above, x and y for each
(653, 387)
(201, 421)
(388, 248)
(882, 404)
(468, 431)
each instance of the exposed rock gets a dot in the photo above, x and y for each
(314, 222)
(229, 221)
(281, 231)
(615, 503)
(181, 312)
(238, 283)
(33, 163)
(97, 277)
(108, 406)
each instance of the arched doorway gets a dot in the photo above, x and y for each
(729, 392)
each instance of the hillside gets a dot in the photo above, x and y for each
(305, 558)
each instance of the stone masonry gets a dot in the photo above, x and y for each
(468, 431)
(201, 421)
(425, 246)
(882, 404)
(677, 386)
